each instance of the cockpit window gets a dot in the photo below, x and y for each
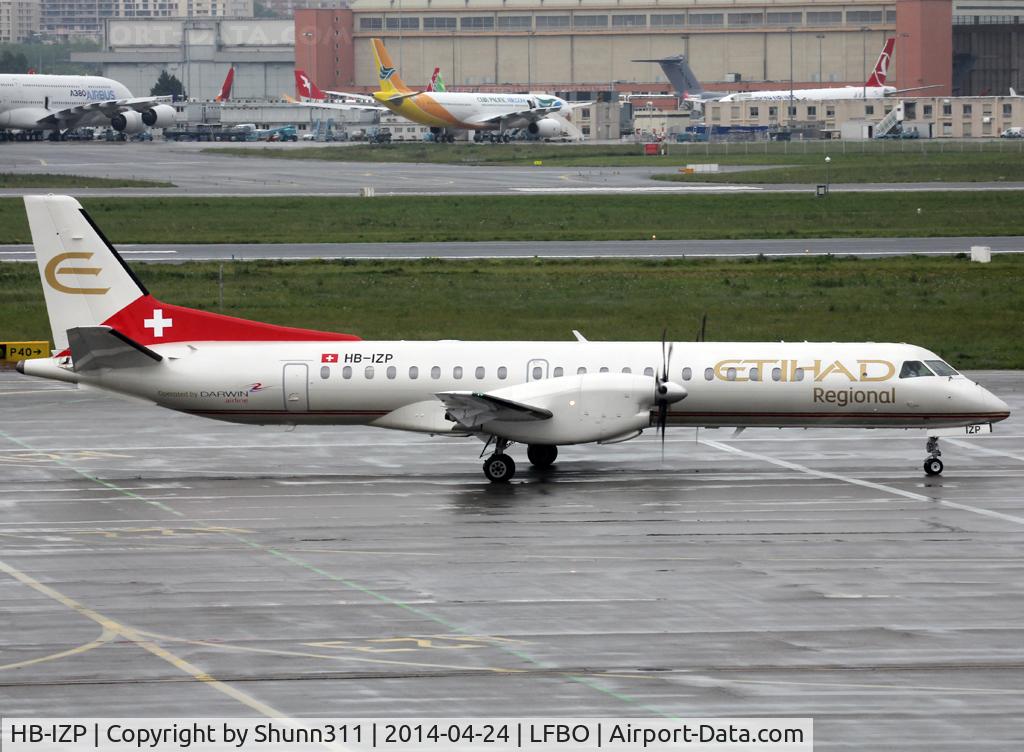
(914, 368)
(941, 368)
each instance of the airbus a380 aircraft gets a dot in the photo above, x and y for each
(112, 334)
(58, 103)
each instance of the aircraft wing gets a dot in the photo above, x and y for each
(476, 408)
(334, 105)
(530, 116)
(913, 88)
(94, 347)
(364, 98)
(69, 116)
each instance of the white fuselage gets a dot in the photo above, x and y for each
(838, 92)
(393, 384)
(26, 99)
(474, 111)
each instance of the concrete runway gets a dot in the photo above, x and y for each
(357, 572)
(202, 174)
(638, 249)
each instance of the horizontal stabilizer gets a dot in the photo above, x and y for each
(94, 347)
(476, 408)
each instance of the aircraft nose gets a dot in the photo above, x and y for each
(1000, 410)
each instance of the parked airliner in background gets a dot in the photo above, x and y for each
(112, 334)
(542, 115)
(686, 85)
(58, 103)
(225, 88)
(308, 93)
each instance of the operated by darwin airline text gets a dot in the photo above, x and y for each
(406, 735)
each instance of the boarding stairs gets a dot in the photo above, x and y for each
(891, 122)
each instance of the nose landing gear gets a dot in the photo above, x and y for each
(932, 464)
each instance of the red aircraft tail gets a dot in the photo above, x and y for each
(225, 89)
(881, 71)
(305, 88)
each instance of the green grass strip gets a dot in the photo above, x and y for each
(42, 180)
(970, 313)
(537, 218)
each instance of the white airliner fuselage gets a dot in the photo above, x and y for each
(802, 95)
(112, 334)
(39, 102)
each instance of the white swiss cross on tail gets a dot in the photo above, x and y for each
(329, 358)
(158, 323)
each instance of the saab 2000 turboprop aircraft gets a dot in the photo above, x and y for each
(446, 110)
(57, 103)
(112, 334)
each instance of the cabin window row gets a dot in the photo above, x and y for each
(537, 373)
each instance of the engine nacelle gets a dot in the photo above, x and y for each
(585, 408)
(128, 122)
(160, 116)
(545, 128)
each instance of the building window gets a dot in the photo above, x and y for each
(773, 112)
(477, 22)
(746, 19)
(589, 22)
(786, 18)
(705, 19)
(1007, 109)
(403, 22)
(863, 16)
(754, 112)
(629, 20)
(515, 22)
(869, 109)
(947, 108)
(947, 129)
(968, 110)
(968, 131)
(812, 111)
(552, 22)
(371, 24)
(830, 111)
(439, 23)
(824, 17)
(668, 19)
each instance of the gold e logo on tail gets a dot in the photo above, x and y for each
(52, 271)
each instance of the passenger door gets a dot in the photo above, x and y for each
(296, 387)
(536, 369)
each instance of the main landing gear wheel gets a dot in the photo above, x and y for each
(499, 468)
(542, 455)
(932, 464)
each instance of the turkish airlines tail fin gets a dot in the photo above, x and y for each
(225, 89)
(881, 71)
(85, 281)
(87, 284)
(305, 87)
(387, 74)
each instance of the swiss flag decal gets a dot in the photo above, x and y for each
(329, 358)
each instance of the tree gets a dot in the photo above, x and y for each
(168, 85)
(13, 62)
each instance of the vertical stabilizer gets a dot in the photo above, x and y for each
(306, 89)
(225, 89)
(679, 73)
(387, 75)
(881, 71)
(85, 281)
